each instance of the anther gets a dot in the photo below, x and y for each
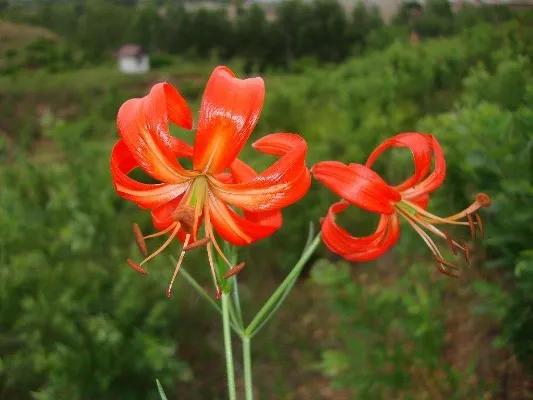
(467, 254)
(442, 261)
(198, 243)
(218, 293)
(442, 269)
(140, 239)
(471, 225)
(451, 244)
(483, 199)
(234, 270)
(136, 267)
(479, 225)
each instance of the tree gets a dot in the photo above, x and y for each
(364, 21)
(252, 37)
(325, 33)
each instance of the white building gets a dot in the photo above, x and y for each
(132, 59)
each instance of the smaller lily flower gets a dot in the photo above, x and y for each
(360, 186)
(219, 192)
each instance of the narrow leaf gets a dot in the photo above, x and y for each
(160, 390)
(280, 294)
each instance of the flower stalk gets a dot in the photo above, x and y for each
(228, 351)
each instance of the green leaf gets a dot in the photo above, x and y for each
(280, 294)
(160, 390)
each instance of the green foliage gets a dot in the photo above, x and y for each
(389, 335)
(65, 304)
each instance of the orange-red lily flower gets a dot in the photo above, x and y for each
(360, 186)
(210, 192)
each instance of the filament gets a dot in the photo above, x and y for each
(160, 233)
(164, 245)
(178, 265)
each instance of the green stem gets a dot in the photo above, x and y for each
(237, 301)
(247, 362)
(270, 306)
(230, 372)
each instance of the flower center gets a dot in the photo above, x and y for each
(186, 219)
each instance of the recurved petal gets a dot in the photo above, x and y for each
(228, 114)
(241, 230)
(281, 184)
(242, 172)
(358, 185)
(434, 180)
(143, 125)
(419, 144)
(143, 194)
(359, 249)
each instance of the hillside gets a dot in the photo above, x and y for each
(17, 36)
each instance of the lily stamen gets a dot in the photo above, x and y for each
(136, 267)
(234, 270)
(421, 221)
(198, 243)
(212, 269)
(139, 239)
(160, 233)
(178, 265)
(167, 242)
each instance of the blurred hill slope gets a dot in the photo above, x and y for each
(16, 36)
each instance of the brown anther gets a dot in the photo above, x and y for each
(136, 267)
(185, 216)
(139, 238)
(471, 225)
(479, 225)
(169, 292)
(451, 244)
(443, 270)
(483, 199)
(234, 270)
(218, 293)
(198, 243)
(467, 253)
(443, 262)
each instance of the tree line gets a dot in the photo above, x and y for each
(319, 30)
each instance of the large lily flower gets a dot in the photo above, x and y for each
(209, 193)
(360, 186)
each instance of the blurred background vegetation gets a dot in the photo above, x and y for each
(76, 323)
